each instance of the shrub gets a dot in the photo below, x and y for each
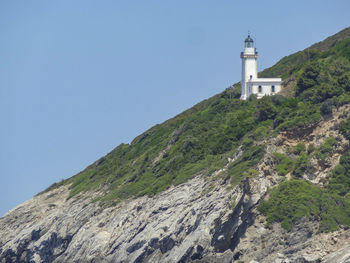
(326, 148)
(345, 161)
(340, 180)
(266, 109)
(278, 99)
(252, 97)
(311, 148)
(300, 148)
(300, 165)
(341, 99)
(260, 133)
(246, 143)
(344, 128)
(284, 163)
(344, 81)
(326, 107)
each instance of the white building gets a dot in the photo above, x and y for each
(250, 82)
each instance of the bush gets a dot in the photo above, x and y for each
(266, 109)
(260, 133)
(326, 107)
(325, 149)
(246, 143)
(340, 180)
(311, 148)
(344, 81)
(344, 128)
(278, 99)
(299, 148)
(341, 99)
(252, 97)
(345, 161)
(284, 164)
(300, 165)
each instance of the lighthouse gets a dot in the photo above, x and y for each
(249, 65)
(250, 83)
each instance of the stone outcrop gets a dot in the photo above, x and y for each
(181, 224)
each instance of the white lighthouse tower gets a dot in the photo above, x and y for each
(250, 83)
(249, 66)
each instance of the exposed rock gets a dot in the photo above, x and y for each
(340, 256)
(173, 226)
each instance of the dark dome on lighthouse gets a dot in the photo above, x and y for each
(248, 42)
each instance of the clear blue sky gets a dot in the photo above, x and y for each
(77, 78)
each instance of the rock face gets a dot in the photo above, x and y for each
(182, 224)
(203, 220)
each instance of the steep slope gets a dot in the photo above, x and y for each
(194, 188)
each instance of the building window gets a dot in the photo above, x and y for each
(259, 89)
(251, 76)
(272, 88)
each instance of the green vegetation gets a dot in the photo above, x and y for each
(311, 148)
(340, 180)
(284, 164)
(243, 166)
(325, 149)
(300, 165)
(294, 199)
(344, 129)
(324, 78)
(300, 148)
(296, 114)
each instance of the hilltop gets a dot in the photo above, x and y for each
(227, 180)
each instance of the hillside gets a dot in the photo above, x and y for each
(203, 137)
(225, 181)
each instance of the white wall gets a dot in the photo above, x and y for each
(266, 87)
(249, 68)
